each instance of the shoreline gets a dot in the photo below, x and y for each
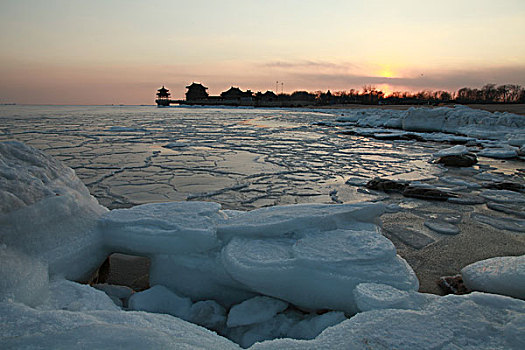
(509, 108)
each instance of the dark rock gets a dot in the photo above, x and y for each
(427, 193)
(453, 285)
(458, 160)
(386, 185)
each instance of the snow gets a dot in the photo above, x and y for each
(255, 310)
(26, 327)
(474, 321)
(501, 275)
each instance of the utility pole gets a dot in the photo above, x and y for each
(276, 86)
(282, 87)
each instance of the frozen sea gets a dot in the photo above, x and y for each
(274, 271)
(241, 158)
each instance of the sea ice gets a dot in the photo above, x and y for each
(374, 296)
(501, 275)
(503, 196)
(160, 299)
(72, 296)
(162, 228)
(442, 227)
(255, 310)
(499, 153)
(47, 213)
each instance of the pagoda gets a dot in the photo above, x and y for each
(163, 97)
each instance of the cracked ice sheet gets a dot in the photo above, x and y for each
(242, 158)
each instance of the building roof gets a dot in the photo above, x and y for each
(196, 85)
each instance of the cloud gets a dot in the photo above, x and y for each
(315, 75)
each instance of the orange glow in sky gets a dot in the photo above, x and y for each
(103, 52)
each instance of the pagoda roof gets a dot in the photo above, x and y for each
(163, 89)
(193, 85)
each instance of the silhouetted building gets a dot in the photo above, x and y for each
(163, 97)
(235, 96)
(196, 92)
(302, 98)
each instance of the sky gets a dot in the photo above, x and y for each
(121, 52)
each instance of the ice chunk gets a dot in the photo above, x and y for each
(255, 310)
(442, 227)
(502, 275)
(340, 246)
(499, 153)
(510, 224)
(27, 328)
(209, 314)
(282, 220)
(22, 279)
(459, 182)
(373, 296)
(49, 214)
(282, 269)
(199, 276)
(121, 292)
(276, 327)
(162, 228)
(425, 119)
(503, 196)
(311, 327)
(457, 150)
(72, 296)
(160, 299)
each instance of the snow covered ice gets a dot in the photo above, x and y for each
(501, 275)
(321, 275)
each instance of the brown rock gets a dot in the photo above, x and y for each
(386, 185)
(458, 160)
(427, 193)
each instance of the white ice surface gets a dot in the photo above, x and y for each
(501, 275)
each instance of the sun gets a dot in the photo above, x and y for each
(386, 73)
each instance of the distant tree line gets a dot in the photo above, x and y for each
(490, 93)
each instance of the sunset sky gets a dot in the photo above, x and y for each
(103, 52)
